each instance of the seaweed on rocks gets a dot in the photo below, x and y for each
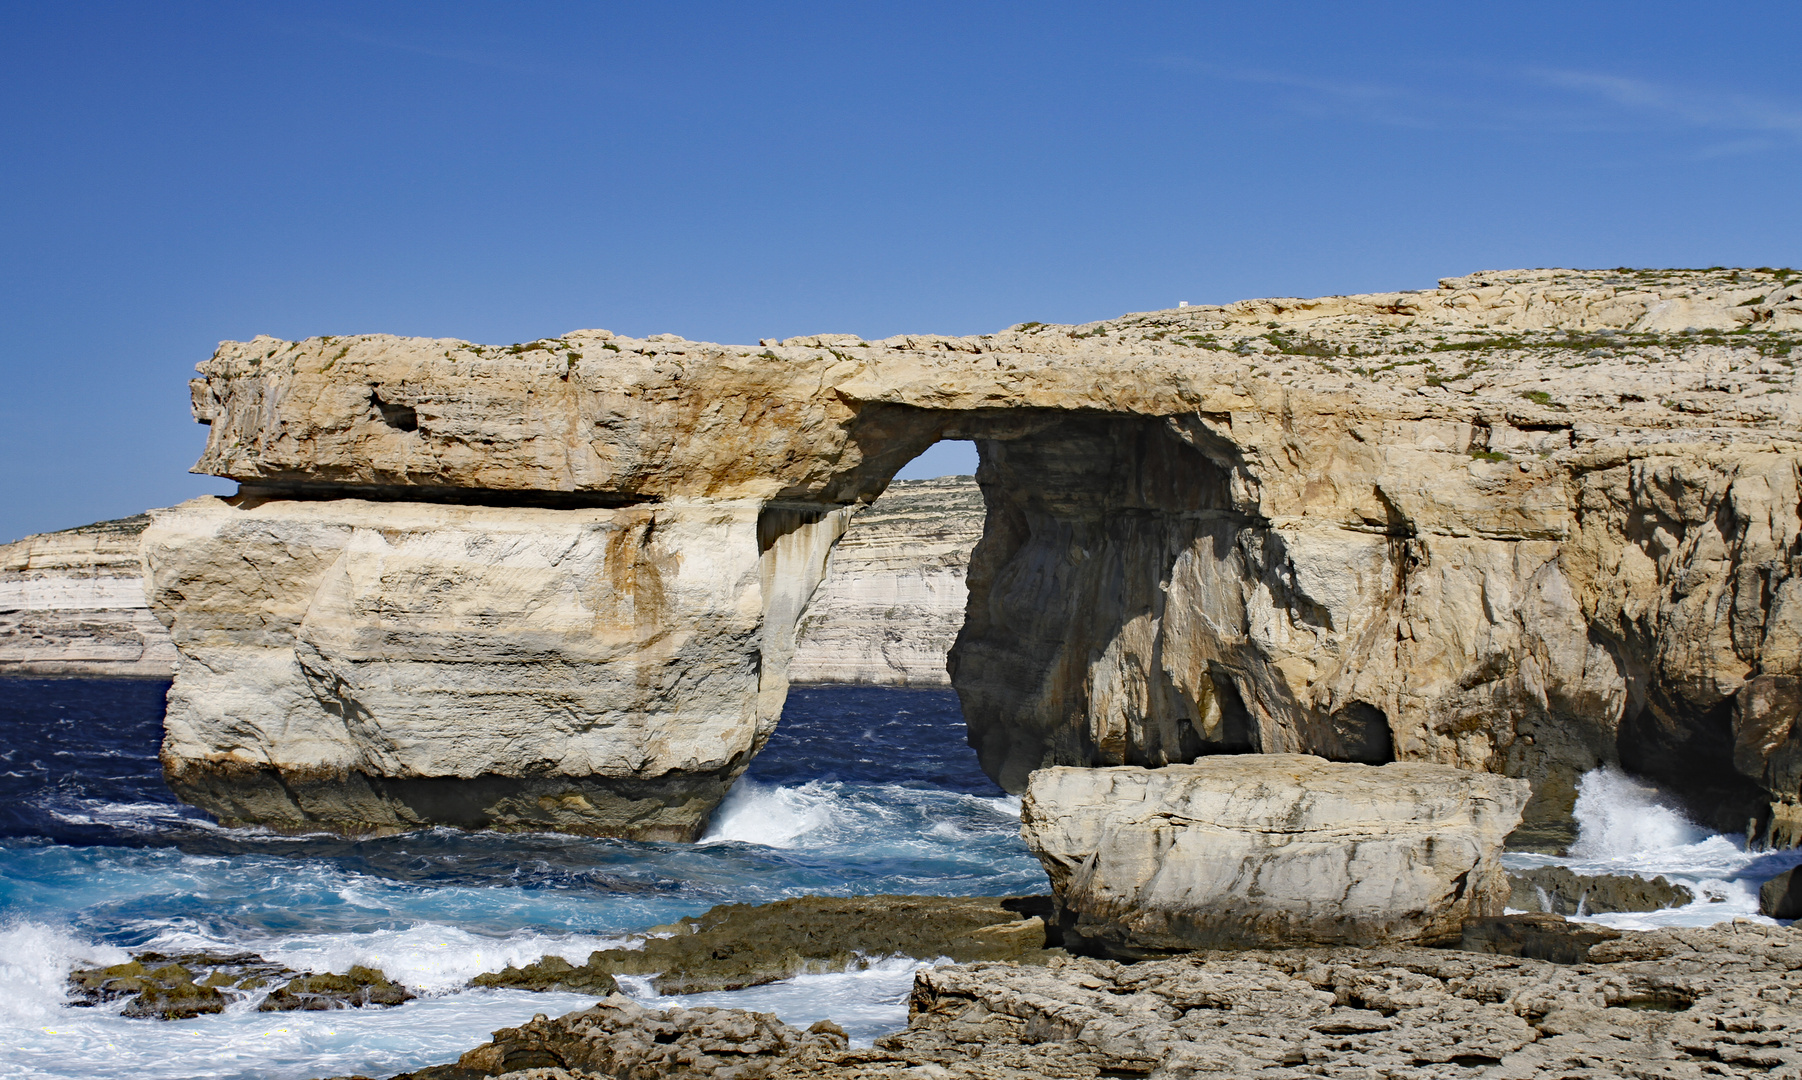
(175, 986)
(552, 973)
(733, 946)
(186, 985)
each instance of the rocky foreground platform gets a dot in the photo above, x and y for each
(1725, 1001)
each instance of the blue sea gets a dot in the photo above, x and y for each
(862, 790)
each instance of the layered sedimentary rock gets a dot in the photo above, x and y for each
(1268, 850)
(893, 599)
(362, 666)
(1524, 523)
(72, 603)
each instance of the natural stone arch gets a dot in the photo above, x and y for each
(556, 583)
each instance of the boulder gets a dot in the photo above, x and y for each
(620, 1038)
(1243, 851)
(1781, 897)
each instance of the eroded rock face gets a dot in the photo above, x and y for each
(1527, 523)
(1268, 850)
(1781, 897)
(367, 666)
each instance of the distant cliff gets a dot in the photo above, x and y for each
(72, 603)
(893, 598)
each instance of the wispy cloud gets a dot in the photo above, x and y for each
(1479, 98)
(1706, 110)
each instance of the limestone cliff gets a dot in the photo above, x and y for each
(1527, 522)
(72, 603)
(893, 597)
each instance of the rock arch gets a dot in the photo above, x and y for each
(555, 585)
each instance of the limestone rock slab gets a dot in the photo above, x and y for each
(1247, 850)
(1685, 1004)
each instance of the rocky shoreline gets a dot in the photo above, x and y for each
(1516, 996)
(1725, 1001)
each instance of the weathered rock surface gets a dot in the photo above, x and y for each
(737, 945)
(893, 598)
(72, 603)
(1561, 891)
(360, 987)
(1278, 849)
(1678, 1003)
(620, 1038)
(365, 666)
(178, 987)
(1528, 522)
(1535, 936)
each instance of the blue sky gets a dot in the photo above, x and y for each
(176, 174)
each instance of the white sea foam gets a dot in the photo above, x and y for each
(35, 960)
(821, 814)
(1005, 805)
(146, 817)
(427, 958)
(754, 813)
(1627, 826)
(1618, 816)
(242, 1044)
(46, 1037)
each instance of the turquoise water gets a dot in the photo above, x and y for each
(863, 790)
